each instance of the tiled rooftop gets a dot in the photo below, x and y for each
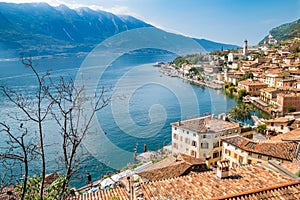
(118, 193)
(268, 89)
(252, 82)
(279, 120)
(172, 167)
(294, 134)
(206, 125)
(289, 190)
(207, 186)
(282, 150)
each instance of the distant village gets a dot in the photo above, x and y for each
(213, 158)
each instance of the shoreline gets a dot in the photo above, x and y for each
(168, 70)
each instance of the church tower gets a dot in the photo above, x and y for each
(245, 49)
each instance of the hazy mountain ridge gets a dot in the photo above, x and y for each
(285, 31)
(39, 29)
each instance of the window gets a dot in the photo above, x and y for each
(281, 127)
(227, 152)
(203, 136)
(215, 154)
(175, 136)
(204, 145)
(194, 134)
(241, 159)
(187, 132)
(175, 128)
(235, 155)
(175, 145)
(249, 161)
(216, 144)
(194, 143)
(269, 158)
(250, 153)
(259, 157)
(187, 140)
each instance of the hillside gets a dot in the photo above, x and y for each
(40, 29)
(285, 31)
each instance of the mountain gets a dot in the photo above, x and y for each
(212, 46)
(39, 29)
(285, 31)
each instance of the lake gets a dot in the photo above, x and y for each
(144, 103)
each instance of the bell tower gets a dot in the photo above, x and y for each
(245, 48)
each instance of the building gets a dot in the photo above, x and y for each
(243, 151)
(251, 86)
(268, 95)
(270, 40)
(275, 75)
(173, 166)
(200, 137)
(286, 100)
(232, 77)
(278, 125)
(285, 82)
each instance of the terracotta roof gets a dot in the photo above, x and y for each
(293, 167)
(268, 89)
(289, 94)
(5, 196)
(296, 125)
(251, 82)
(294, 134)
(119, 193)
(207, 186)
(282, 150)
(290, 190)
(172, 167)
(206, 125)
(279, 120)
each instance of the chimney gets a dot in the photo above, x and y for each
(207, 161)
(179, 122)
(223, 169)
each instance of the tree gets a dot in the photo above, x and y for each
(261, 128)
(34, 110)
(247, 75)
(73, 122)
(242, 93)
(231, 89)
(290, 109)
(241, 112)
(179, 61)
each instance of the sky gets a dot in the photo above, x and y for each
(226, 21)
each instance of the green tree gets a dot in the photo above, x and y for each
(247, 75)
(180, 60)
(261, 128)
(241, 112)
(290, 109)
(232, 89)
(242, 93)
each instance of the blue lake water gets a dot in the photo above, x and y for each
(144, 103)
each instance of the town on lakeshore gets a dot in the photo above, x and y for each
(249, 152)
(212, 153)
(214, 156)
